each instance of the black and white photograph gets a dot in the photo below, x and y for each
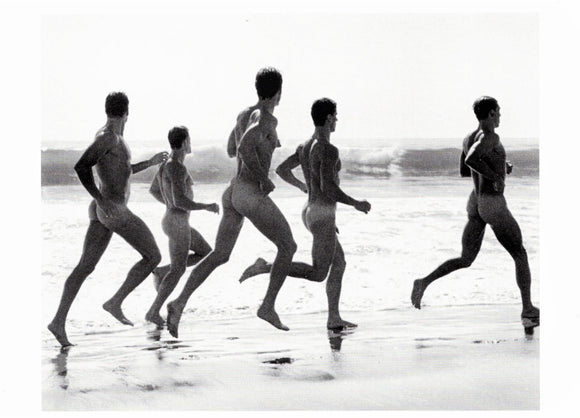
(303, 208)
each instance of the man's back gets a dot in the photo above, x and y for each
(488, 148)
(113, 166)
(315, 158)
(170, 175)
(260, 135)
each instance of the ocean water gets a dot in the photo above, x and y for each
(414, 225)
(365, 158)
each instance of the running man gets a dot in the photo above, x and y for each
(108, 213)
(484, 159)
(172, 186)
(320, 164)
(252, 141)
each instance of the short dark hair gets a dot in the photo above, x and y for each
(177, 135)
(321, 108)
(116, 104)
(268, 82)
(483, 105)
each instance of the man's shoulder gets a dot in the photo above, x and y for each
(173, 168)
(323, 150)
(105, 141)
(327, 148)
(245, 113)
(107, 137)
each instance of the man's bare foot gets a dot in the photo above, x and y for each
(260, 266)
(531, 317)
(174, 312)
(155, 318)
(60, 334)
(339, 325)
(116, 311)
(272, 317)
(417, 293)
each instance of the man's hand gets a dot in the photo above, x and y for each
(362, 206)
(499, 186)
(508, 167)
(213, 207)
(267, 186)
(159, 158)
(303, 187)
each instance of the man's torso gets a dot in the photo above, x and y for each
(312, 155)
(173, 172)
(495, 158)
(259, 127)
(114, 170)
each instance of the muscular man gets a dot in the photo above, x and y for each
(484, 159)
(252, 141)
(108, 213)
(320, 164)
(172, 186)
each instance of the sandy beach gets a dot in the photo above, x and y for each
(455, 357)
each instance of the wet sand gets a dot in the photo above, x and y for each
(474, 357)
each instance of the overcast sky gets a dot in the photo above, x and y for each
(393, 75)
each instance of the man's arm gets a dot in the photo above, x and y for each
(329, 159)
(234, 135)
(178, 176)
(474, 157)
(232, 143)
(156, 159)
(90, 158)
(284, 170)
(463, 168)
(155, 190)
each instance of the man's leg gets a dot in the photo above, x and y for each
(228, 232)
(179, 244)
(200, 249)
(471, 244)
(333, 289)
(137, 234)
(509, 235)
(96, 240)
(270, 221)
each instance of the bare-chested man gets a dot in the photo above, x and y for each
(108, 213)
(484, 159)
(320, 164)
(172, 186)
(252, 141)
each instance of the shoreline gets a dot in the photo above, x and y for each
(473, 357)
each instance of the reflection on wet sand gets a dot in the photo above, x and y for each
(335, 337)
(60, 363)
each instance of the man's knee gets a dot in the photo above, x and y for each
(219, 257)
(83, 269)
(154, 257)
(466, 260)
(319, 275)
(288, 246)
(519, 253)
(205, 251)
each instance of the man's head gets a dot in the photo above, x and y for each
(178, 136)
(268, 83)
(117, 105)
(324, 111)
(486, 107)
